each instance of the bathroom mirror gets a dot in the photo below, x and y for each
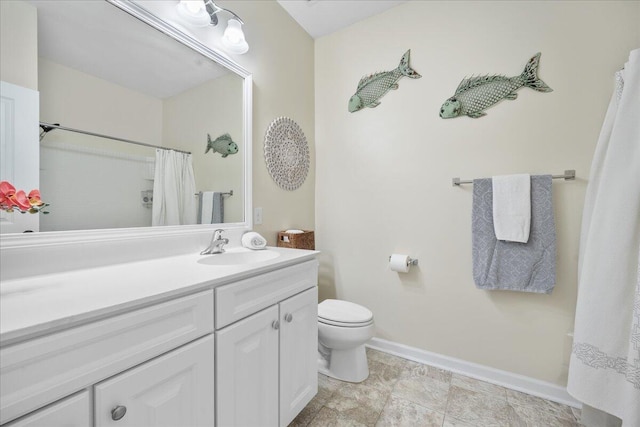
(112, 74)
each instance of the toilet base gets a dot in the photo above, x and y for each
(345, 365)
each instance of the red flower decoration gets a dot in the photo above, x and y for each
(11, 200)
(6, 189)
(21, 201)
(34, 198)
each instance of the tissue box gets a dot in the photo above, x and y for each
(304, 240)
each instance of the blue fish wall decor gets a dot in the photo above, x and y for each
(476, 94)
(373, 87)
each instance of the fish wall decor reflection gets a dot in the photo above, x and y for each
(373, 87)
(222, 144)
(476, 94)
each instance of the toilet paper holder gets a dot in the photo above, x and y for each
(410, 261)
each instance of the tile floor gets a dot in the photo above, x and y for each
(400, 392)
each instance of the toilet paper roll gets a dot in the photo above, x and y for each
(399, 263)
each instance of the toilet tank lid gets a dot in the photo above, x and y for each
(343, 311)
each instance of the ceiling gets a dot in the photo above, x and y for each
(89, 36)
(322, 17)
(101, 40)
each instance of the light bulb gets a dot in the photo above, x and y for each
(194, 12)
(193, 6)
(233, 38)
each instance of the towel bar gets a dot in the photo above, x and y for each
(567, 176)
(229, 193)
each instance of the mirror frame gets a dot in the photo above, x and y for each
(14, 241)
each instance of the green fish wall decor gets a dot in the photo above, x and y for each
(373, 87)
(476, 94)
(222, 144)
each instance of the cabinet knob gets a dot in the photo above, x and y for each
(275, 324)
(288, 317)
(118, 412)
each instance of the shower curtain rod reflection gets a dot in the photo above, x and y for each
(47, 127)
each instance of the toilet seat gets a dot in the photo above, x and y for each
(344, 314)
(344, 324)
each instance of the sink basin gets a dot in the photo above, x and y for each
(239, 257)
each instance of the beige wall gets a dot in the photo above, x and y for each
(213, 108)
(19, 43)
(384, 174)
(82, 101)
(281, 59)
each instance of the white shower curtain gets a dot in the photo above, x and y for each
(174, 188)
(604, 372)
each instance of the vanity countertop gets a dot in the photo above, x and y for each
(46, 303)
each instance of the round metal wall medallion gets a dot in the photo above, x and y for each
(286, 153)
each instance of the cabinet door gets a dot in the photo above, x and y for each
(74, 411)
(298, 353)
(175, 389)
(247, 371)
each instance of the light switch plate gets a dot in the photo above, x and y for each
(257, 216)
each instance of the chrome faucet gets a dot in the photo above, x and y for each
(217, 243)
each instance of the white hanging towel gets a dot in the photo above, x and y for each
(512, 207)
(206, 207)
(211, 207)
(604, 371)
(174, 186)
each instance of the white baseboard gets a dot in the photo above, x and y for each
(506, 379)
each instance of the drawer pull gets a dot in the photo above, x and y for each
(288, 317)
(118, 412)
(275, 325)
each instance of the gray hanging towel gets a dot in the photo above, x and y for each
(211, 209)
(513, 266)
(218, 208)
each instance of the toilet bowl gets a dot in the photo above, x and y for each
(343, 329)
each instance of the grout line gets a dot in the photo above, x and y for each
(446, 406)
(314, 417)
(403, 368)
(386, 402)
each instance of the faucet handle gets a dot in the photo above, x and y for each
(217, 234)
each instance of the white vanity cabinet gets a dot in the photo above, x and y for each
(236, 353)
(73, 411)
(266, 361)
(175, 389)
(298, 353)
(247, 366)
(43, 370)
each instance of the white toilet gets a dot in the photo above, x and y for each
(343, 329)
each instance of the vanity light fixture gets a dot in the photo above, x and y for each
(201, 13)
(233, 38)
(194, 12)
